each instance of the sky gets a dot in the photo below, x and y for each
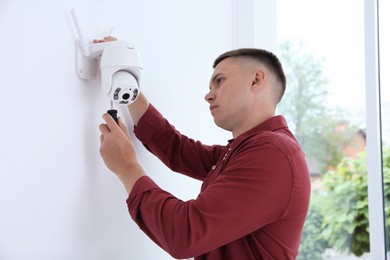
(334, 30)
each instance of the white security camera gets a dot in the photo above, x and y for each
(120, 68)
(124, 87)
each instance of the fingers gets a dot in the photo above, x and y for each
(104, 129)
(112, 126)
(110, 38)
(105, 39)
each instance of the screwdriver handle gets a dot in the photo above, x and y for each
(113, 114)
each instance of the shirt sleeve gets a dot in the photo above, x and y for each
(177, 151)
(247, 194)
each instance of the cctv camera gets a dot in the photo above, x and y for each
(124, 88)
(121, 68)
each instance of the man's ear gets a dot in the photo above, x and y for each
(258, 80)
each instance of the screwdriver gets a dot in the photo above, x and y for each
(113, 112)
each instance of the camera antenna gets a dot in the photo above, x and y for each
(83, 43)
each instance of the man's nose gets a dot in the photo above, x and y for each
(209, 96)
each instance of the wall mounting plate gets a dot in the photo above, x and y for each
(86, 66)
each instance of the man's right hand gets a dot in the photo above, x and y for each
(118, 153)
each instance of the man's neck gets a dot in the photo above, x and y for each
(251, 124)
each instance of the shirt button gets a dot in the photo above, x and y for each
(213, 168)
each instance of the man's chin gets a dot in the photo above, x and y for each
(221, 125)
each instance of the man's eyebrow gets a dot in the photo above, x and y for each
(216, 76)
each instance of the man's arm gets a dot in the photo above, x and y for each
(243, 198)
(177, 151)
(138, 108)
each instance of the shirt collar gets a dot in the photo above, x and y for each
(271, 124)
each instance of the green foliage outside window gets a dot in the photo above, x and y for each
(338, 216)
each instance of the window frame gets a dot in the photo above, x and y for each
(374, 145)
(244, 35)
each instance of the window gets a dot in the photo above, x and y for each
(321, 45)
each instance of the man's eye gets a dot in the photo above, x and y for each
(219, 80)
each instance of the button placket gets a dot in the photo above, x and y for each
(213, 173)
(229, 149)
(224, 157)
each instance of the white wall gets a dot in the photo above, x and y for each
(57, 199)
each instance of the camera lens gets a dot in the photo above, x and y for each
(126, 96)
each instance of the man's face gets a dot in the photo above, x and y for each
(230, 97)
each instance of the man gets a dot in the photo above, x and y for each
(255, 192)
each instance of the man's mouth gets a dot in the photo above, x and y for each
(212, 108)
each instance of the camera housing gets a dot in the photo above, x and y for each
(120, 68)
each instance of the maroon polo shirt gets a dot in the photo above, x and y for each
(253, 201)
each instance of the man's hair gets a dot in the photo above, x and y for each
(265, 57)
